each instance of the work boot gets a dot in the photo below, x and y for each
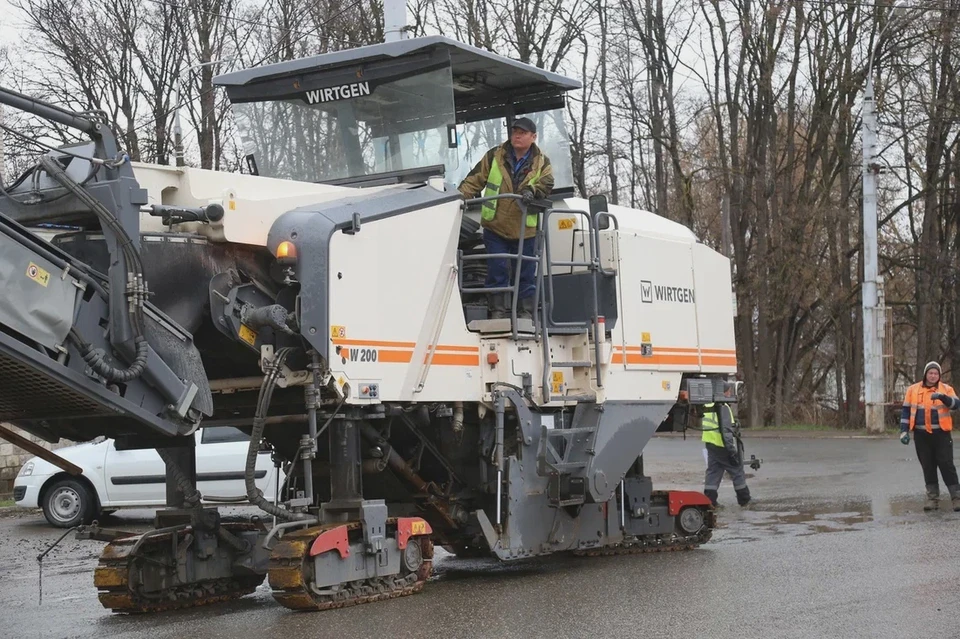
(743, 496)
(527, 307)
(496, 306)
(955, 497)
(933, 498)
(712, 496)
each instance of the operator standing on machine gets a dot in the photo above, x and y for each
(721, 437)
(517, 166)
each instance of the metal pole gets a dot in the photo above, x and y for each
(872, 348)
(623, 505)
(177, 129)
(873, 395)
(394, 20)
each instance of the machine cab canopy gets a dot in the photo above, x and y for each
(393, 112)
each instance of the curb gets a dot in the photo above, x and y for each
(788, 434)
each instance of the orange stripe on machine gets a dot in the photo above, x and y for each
(674, 356)
(390, 352)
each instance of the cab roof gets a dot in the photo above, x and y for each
(485, 84)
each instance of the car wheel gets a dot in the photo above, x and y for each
(69, 503)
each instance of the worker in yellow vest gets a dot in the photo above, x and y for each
(721, 434)
(517, 166)
(926, 414)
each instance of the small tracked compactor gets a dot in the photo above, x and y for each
(330, 302)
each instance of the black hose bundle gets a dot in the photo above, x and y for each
(136, 282)
(95, 360)
(254, 494)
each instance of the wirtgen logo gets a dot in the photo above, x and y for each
(646, 291)
(332, 94)
(650, 293)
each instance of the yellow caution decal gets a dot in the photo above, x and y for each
(38, 275)
(247, 334)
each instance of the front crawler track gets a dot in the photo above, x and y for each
(291, 575)
(657, 543)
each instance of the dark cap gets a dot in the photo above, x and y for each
(524, 123)
(933, 365)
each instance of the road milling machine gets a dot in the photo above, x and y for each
(330, 302)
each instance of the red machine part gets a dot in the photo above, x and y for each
(677, 499)
(333, 539)
(410, 526)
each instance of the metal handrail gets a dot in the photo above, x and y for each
(519, 258)
(596, 227)
(594, 267)
(544, 293)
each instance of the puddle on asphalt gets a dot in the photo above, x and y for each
(766, 519)
(763, 519)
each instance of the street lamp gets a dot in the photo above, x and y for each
(872, 333)
(177, 130)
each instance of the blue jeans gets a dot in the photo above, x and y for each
(500, 270)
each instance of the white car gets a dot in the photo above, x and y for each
(114, 478)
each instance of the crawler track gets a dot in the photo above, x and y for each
(657, 543)
(118, 576)
(291, 571)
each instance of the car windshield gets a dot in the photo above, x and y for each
(352, 130)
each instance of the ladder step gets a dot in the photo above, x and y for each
(588, 397)
(567, 330)
(562, 466)
(573, 364)
(563, 432)
(569, 502)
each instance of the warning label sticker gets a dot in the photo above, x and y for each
(38, 275)
(556, 382)
(248, 335)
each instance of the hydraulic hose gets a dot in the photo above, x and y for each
(95, 360)
(191, 496)
(136, 289)
(254, 494)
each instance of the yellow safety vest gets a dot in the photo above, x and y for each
(710, 424)
(494, 181)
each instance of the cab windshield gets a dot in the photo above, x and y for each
(476, 138)
(353, 130)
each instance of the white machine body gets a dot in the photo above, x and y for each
(397, 330)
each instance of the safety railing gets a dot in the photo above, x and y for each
(517, 259)
(595, 268)
(543, 316)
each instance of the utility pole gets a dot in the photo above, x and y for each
(177, 129)
(874, 316)
(394, 20)
(872, 342)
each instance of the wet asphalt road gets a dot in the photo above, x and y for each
(835, 545)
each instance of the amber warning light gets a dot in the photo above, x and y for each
(286, 252)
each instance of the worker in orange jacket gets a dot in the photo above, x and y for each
(926, 414)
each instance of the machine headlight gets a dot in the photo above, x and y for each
(27, 470)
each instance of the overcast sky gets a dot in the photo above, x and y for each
(9, 34)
